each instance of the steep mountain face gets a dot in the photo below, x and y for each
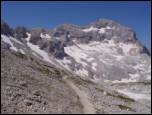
(103, 52)
(5, 29)
(20, 32)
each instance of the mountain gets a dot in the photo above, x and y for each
(104, 59)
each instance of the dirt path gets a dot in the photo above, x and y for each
(88, 106)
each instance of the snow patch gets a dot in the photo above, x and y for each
(126, 47)
(82, 72)
(28, 37)
(58, 38)
(134, 76)
(148, 77)
(22, 51)
(8, 40)
(64, 63)
(90, 59)
(36, 54)
(76, 53)
(95, 78)
(119, 57)
(106, 80)
(36, 49)
(108, 27)
(69, 36)
(90, 29)
(136, 96)
(11, 38)
(45, 36)
(101, 30)
(139, 67)
(39, 51)
(124, 81)
(65, 60)
(94, 66)
(105, 61)
(15, 40)
(97, 46)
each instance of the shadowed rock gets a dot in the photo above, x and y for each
(5, 29)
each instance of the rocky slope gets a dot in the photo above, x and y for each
(104, 60)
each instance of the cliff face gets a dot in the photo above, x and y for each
(69, 69)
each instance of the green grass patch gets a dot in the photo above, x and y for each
(148, 82)
(124, 98)
(43, 70)
(124, 107)
(100, 111)
(80, 81)
(87, 81)
(20, 55)
(99, 89)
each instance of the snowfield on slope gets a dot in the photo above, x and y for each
(37, 49)
(9, 40)
(100, 52)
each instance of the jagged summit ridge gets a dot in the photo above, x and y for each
(101, 29)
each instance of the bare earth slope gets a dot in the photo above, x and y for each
(28, 87)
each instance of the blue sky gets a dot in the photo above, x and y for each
(136, 15)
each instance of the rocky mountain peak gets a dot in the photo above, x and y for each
(101, 23)
(5, 29)
(100, 30)
(20, 32)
